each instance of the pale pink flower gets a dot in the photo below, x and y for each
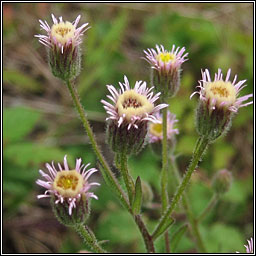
(67, 185)
(155, 133)
(165, 61)
(221, 93)
(62, 34)
(132, 107)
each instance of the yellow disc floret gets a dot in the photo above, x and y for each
(166, 57)
(156, 129)
(131, 103)
(68, 183)
(221, 91)
(63, 31)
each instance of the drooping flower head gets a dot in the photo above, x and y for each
(166, 68)
(218, 103)
(129, 114)
(155, 133)
(249, 247)
(156, 129)
(68, 189)
(63, 40)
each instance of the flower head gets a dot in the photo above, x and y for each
(221, 93)
(62, 40)
(166, 68)
(156, 129)
(218, 103)
(249, 247)
(129, 114)
(62, 34)
(67, 187)
(165, 61)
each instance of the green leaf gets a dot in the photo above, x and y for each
(176, 237)
(32, 154)
(21, 81)
(18, 122)
(136, 206)
(163, 228)
(221, 238)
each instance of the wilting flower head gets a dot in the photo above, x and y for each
(218, 103)
(68, 189)
(129, 115)
(249, 247)
(63, 40)
(166, 68)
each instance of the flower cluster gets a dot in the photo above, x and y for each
(249, 247)
(63, 40)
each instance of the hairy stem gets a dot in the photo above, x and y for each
(127, 178)
(146, 236)
(89, 238)
(164, 176)
(95, 146)
(203, 143)
(121, 194)
(208, 208)
(193, 222)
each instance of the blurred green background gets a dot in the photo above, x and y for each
(40, 124)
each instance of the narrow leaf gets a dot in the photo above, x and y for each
(162, 228)
(176, 237)
(136, 206)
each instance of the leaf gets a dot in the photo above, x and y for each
(176, 237)
(221, 238)
(21, 81)
(32, 154)
(163, 228)
(18, 122)
(138, 197)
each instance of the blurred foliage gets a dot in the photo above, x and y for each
(39, 124)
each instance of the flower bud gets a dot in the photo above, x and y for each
(222, 181)
(147, 193)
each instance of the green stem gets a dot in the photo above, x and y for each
(89, 238)
(122, 196)
(95, 147)
(193, 222)
(127, 178)
(208, 208)
(164, 176)
(195, 159)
